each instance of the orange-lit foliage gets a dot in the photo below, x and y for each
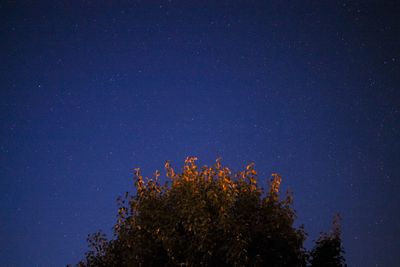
(202, 217)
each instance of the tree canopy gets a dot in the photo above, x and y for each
(209, 217)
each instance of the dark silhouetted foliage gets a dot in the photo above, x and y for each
(328, 250)
(208, 217)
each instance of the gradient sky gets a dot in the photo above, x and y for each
(90, 91)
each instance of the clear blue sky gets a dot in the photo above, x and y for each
(91, 90)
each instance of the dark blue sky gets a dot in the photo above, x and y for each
(90, 91)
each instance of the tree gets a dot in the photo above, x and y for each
(202, 217)
(328, 250)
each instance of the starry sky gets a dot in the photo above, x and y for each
(91, 89)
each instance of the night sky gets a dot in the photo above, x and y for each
(90, 90)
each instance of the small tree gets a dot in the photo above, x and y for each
(328, 250)
(202, 217)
